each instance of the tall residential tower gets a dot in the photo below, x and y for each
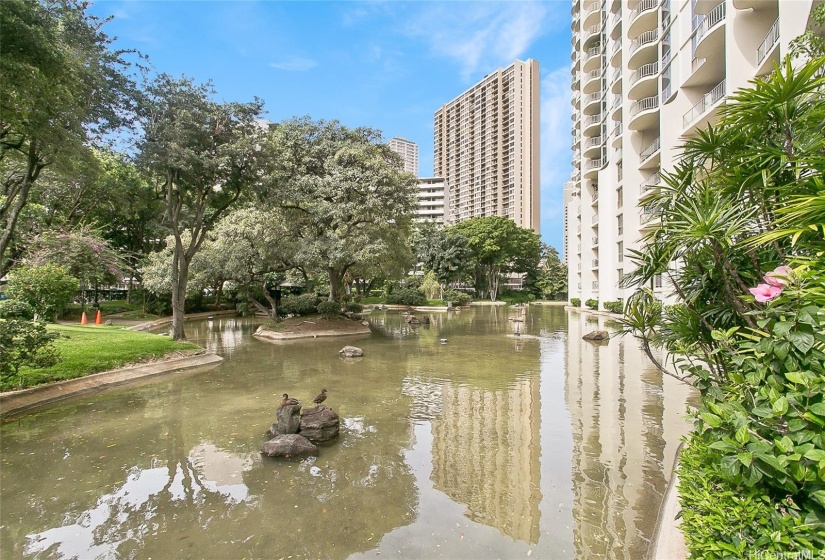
(408, 152)
(487, 147)
(647, 74)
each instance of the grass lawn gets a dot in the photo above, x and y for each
(92, 349)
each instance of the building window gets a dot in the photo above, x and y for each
(619, 198)
(657, 281)
(620, 224)
(619, 171)
(620, 247)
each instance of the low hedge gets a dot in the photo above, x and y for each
(329, 308)
(407, 296)
(721, 520)
(613, 306)
(592, 304)
(575, 302)
(305, 304)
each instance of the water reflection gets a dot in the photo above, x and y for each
(505, 441)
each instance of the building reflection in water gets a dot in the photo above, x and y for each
(627, 420)
(486, 453)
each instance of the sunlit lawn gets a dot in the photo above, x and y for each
(92, 349)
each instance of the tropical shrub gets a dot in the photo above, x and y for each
(354, 307)
(329, 308)
(47, 288)
(406, 296)
(459, 298)
(575, 302)
(613, 306)
(23, 342)
(305, 304)
(592, 303)
(15, 309)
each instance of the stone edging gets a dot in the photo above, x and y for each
(668, 541)
(27, 399)
(275, 336)
(148, 326)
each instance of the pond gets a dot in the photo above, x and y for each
(488, 445)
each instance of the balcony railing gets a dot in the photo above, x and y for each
(592, 119)
(642, 7)
(645, 38)
(617, 73)
(595, 141)
(617, 130)
(594, 164)
(595, 219)
(768, 42)
(713, 17)
(650, 182)
(595, 263)
(595, 284)
(708, 100)
(649, 150)
(644, 71)
(595, 96)
(644, 105)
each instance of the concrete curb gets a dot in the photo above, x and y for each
(274, 336)
(168, 320)
(27, 399)
(668, 541)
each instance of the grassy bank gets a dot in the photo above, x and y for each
(92, 349)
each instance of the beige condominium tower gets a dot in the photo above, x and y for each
(486, 145)
(408, 152)
(646, 75)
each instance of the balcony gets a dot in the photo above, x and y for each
(594, 221)
(593, 59)
(591, 33)
(615, 54)
(643, 49)
(595, 263)
(703, 107)
(614, 26)
(592, 168)
(650, 217)
(643, 17)
(753, 4)
(766, 48)
(592, 103)
(650, 183)
(592, 13)
(616, 81)
(592, 125)
(575, 99)
(709, 37)
(592, 81)
(592, 146)
(616, 107)
(643, 81)
(643, 113)
(595, 284)
(649, 156)
(616, 135)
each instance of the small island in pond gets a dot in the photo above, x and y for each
(311, 327)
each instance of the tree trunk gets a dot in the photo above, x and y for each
(333, 284)
(180, 277)
(20, 198)
(218, 294)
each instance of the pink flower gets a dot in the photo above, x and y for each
(765, 292)
(779, 276)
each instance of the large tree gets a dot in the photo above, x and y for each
(64, 89)
(345, 193)
(498, 246)
(202, 155)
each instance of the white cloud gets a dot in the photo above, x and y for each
(295, 64)
(479, 35)
(555, 151)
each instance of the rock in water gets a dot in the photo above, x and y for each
(289, 420)
(350, 352)
(319, 424)
(288, 445)
(597, 335)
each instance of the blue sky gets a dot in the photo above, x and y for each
(384, 64)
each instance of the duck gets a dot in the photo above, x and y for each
(289, 401)
(322, 396)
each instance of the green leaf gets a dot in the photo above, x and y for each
(815, 455)
(742, 435)
(780, 406)
(784, 444)
(782, 329)
(797, 377)
(711, 419)
(819, 496)
(762, 411)
(745, 458)
(771, 460)
(802, 341)
(818, 409)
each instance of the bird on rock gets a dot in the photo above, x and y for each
(322, 396)
(289, 401)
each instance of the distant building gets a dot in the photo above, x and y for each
(486, 144)
(432, 199)
(408, 152)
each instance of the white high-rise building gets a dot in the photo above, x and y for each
(408, 152)
(487, 147)
(432, 199)
(647, 74)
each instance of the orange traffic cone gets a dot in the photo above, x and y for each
(98, 318)
(83, 320)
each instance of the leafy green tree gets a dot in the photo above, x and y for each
(47, 288)
(83, 253)
(23, 342)
(64, 88)
(347, 199)
(202, 155)
(446, 252)
(498, 246)
(550, 279)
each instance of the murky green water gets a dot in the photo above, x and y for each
(487, 446)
